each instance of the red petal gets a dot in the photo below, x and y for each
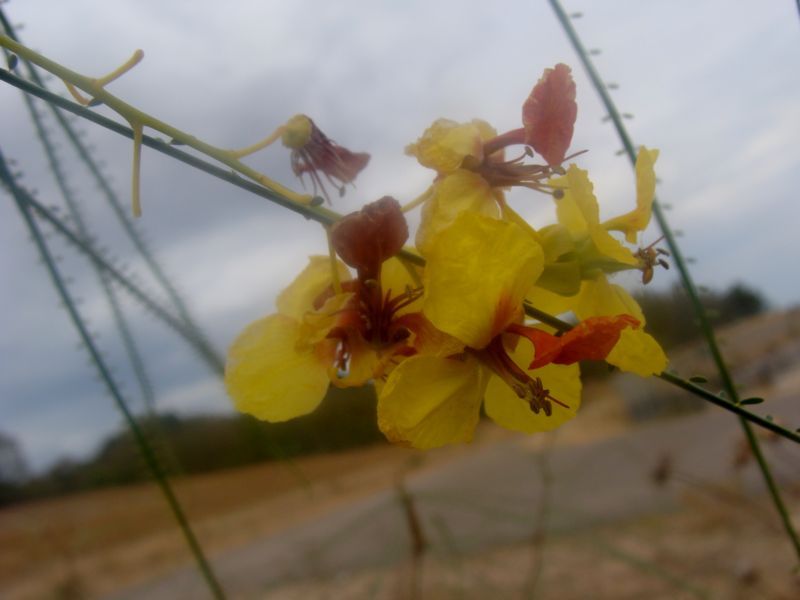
(591, 339)
(549, 114)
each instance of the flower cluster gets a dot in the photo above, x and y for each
(441, 340)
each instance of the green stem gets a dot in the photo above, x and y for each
(686, 279)
(141, 441)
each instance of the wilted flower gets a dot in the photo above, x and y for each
(313, 153)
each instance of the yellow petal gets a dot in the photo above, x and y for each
(458, 192)
(512, 412)
(509, 214)
(610, 247)
(364, 365)
(446, 145)
(272, 378)
(635, 221)
(426, 339)
(598, 297)
(478, 272)
(638, 352)
(298, 298)
(429, 402)
(397, 278)
(577, 210)
(315, 325)
(549, 302)
(560, 278)
(556, 241)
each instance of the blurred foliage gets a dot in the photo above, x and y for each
(669, 313)
(187, 445)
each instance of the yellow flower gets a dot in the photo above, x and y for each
(479, 270)
(469, 158)
(280, 366)
(596, 253)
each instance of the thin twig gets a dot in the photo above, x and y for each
(141, 441)
(686, 279)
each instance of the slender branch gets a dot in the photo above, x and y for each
(315, 213)
(141, 441)
(686, 279)
(133, 115)
(113, 200)
(81, 244)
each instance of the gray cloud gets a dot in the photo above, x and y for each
(721, 107)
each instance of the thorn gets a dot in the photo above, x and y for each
(606, 119)
(94, 102)
(576, 15)
(595, 51)
(317, 201)
(627, 116)
(13, 60)
(620, 152)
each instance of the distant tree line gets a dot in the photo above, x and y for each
(670, 317)
(188, 445)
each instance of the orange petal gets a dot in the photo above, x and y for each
(591, 339)
(549, 114)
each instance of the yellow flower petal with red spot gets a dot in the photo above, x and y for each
(429, 402)
(637, 220)
(507, 409)
(460, 191)
(446, 145)
(272, 377)
(478, 273)
(298, 298)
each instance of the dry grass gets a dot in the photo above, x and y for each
(91, 544)
(702, 551)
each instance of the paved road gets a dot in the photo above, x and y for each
(490, 496)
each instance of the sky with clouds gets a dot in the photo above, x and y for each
(712, 84)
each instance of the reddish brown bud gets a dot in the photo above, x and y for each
(366, 238)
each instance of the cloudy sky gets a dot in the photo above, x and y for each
(712, 84)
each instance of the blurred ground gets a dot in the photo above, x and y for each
(669, 509)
